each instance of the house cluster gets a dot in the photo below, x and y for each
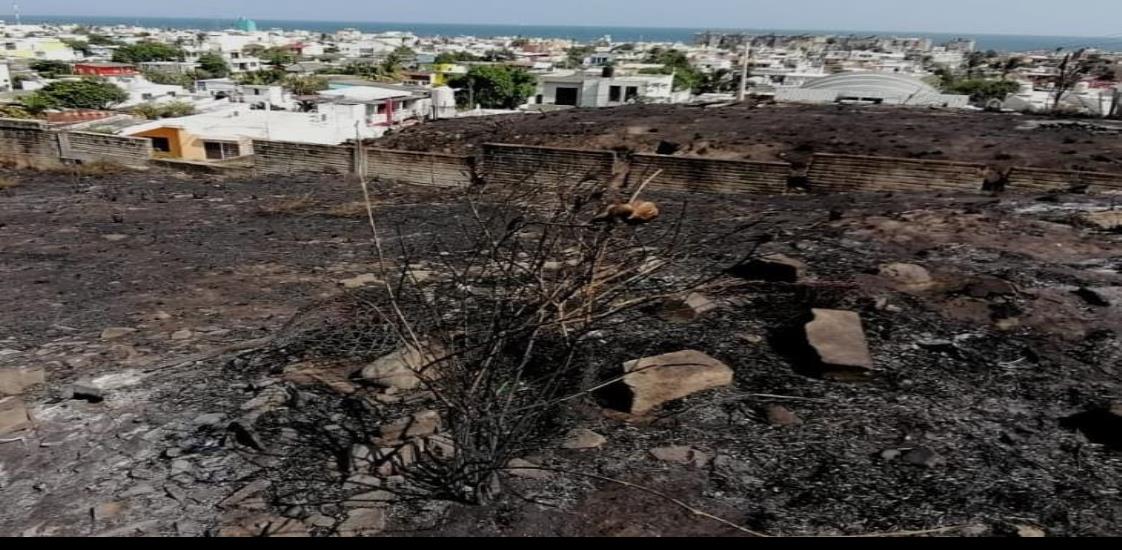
(228, 112)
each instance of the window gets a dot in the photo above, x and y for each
(615, 93)
(161, 144)
(567, 96)
(218, 150)
(632, 93)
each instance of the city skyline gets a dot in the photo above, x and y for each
(1032, 17)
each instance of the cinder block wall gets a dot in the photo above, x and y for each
(280, 158)
(90, 146)
(420, 168)
(709, 175)
(841, 173)
(505, 164)
(28, 144)
(1034, 179)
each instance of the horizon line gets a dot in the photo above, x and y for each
(897, 33)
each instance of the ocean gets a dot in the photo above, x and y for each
(998, 42)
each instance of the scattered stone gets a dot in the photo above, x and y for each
(362, 522)
(15, 381)
(270, 398)
(394, 460)
(681, 455)
(403, 369)
(180, 335)
(989, 287)
(13, 416)
(1092, 297)
(774, 268)
(653, 381)
(138, 490)
(421, 424)
(107, 510)
(1030, 532)
(162, 316)
(265, 526)
(370, 499)
(838, 341)
(525, 469)
(582, 438)
(922, 456)
(320, 520)
(362, 458)
(890, 454)
(245, 493)
(1108, 220)
(209, 420)
(114, 237)
(686, 309)
(974, 530)
(311, 374)
(86, 392)
(778, 415)
(440, 446)
(908, 276)
(360, 281)
(362, 481)
(113, 333)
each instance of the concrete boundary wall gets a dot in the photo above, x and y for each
(505, 164)
(841, 173)
(28, 144)
(1035, 179)
(282, 158)
(709, 175)
(92, 146)
(419, 168)
(32, 144)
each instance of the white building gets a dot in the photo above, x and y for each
(5, 78)
(875, 88)
(606, 90)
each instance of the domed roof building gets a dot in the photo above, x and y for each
(871, 87)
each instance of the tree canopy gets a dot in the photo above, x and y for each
(455, 57)
(50, 69)
(497, 86)
(77, 94)
(147, 51)
(213, 65)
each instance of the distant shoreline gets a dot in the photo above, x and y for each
(985, 41)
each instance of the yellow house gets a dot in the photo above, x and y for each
(178, 143)
(36, 48)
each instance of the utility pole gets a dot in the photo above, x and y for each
(15, 9)
(742, 93)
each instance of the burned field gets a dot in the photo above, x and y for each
(778, 132)
(213, 356)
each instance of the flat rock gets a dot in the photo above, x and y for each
(1107, 220)
(181, 335)
(778, 415)
(266, 525)
(15, 381)
(420, 424)
(370, 499)
(681, 455)
(245, 493)
(107, 510)
(838, 340)
(312, 374)
(583, 438)
(908, 276)
(922, 456)
(686, 308)
(403, 369)
(1030, 532)
(653, 381)
(525, 469)
(360, 281)
(362, 522)
(114, 237)
(773, 268)
(113, 333)
(13, 415)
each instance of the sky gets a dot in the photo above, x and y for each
(1041, 17)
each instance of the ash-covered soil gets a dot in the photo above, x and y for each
(961, 427)
(770, 132)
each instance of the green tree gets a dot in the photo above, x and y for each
(80, 46)
(213, 65)
(50, 69)
(455, 57)
(95, 39)
(575, 56)
(497, 86)
(686, 76)
(500, 55)
(79, 94)
(171, 109)
(306, 85)
(148, 51)
(396, 60)
(169, 77)
(36, 103)
(982, 91)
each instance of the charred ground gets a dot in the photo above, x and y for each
(979, 371)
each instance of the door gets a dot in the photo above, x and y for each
(567, 96)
